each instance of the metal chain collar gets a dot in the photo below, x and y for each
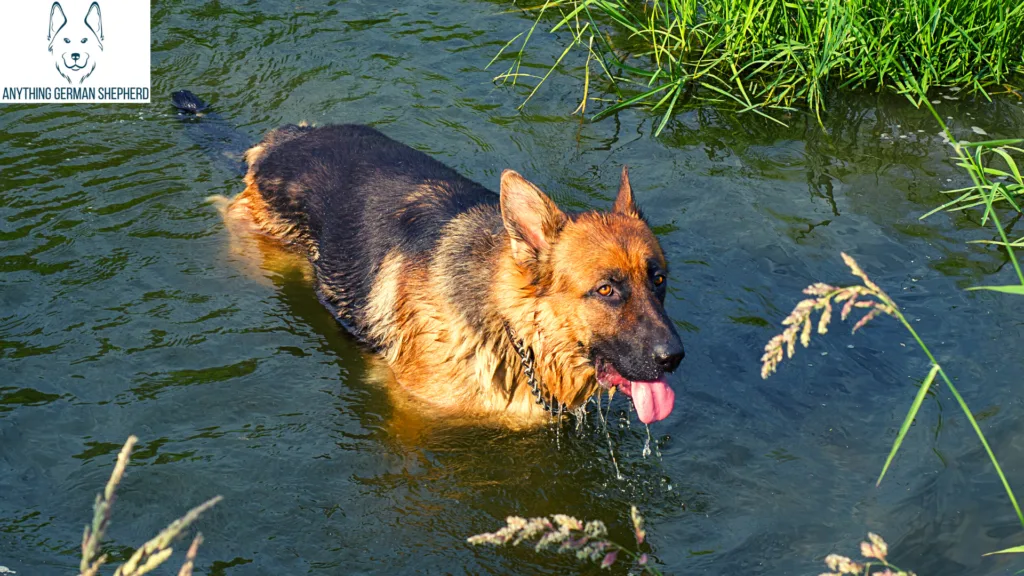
(526, 357)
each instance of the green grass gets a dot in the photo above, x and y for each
(976, 158)
(764, 55)
(996, 182)
(993, 185)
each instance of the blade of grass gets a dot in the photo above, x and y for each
(1010, 289)
(552, 68)
(911, 414)
(1014, 550)
(967, 413)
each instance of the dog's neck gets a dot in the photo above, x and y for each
(525, 354)
(563, 375)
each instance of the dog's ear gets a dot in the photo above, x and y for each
(57, 21)
(531, 218)
(94, 20)
(624, 203)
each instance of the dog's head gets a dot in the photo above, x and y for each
(76, 44)
(599, 279)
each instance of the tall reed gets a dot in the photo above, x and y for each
(151, 554)
(874, 550)
(870, 297)
(565, 534)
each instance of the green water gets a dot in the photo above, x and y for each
(121, 313)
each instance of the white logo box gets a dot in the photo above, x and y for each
(75, 51)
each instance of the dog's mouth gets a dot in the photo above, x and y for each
(653, 399)
(76, 65)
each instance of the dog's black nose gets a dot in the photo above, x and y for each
(75, 56)
(669, 355)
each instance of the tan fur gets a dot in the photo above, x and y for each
(439, 360)
(260, 255)
(383, 304)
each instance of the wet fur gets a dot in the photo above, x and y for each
(417, 261)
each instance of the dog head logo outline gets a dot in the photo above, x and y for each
(76, 44)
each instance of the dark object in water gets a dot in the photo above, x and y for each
(188, 103)
(221, 142)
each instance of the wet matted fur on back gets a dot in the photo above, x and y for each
(428, 267)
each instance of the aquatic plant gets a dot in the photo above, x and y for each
(977, 158)
(990, 185)
(589, 542)
(777, 54)
(871, 297)
(974, 157)
(874, 550)
(566, 534)
(151, 554)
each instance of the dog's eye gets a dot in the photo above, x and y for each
(67, 40)
(605, 290)
(84, 40)
(659, 279)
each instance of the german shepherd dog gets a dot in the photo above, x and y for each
(491, 307)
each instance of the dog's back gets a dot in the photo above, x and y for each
(352, 196)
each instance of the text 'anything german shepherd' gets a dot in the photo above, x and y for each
(465, 293)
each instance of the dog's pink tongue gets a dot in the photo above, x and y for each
(653, 400)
